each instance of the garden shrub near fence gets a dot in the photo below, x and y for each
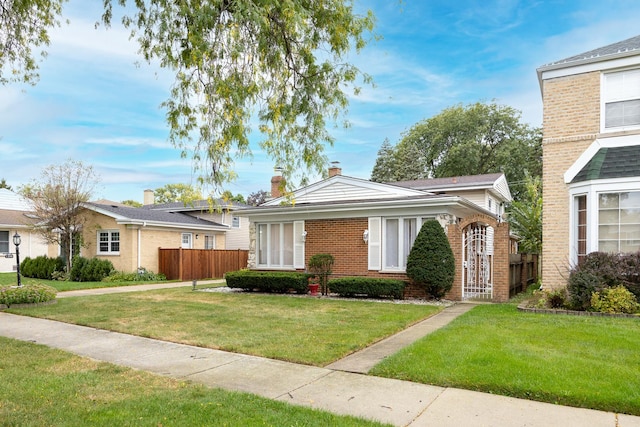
(367, 286)
(268, 281)
(26, 294)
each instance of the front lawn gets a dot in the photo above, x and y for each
(296, 329)
(47, 387)
(590, 362)
(63, 285)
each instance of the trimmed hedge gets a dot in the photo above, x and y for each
(268, 281)
(367, 286)
(41, 267)
(26, 294)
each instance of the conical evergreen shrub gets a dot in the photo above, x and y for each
(431, 263)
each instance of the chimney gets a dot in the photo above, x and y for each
(149, 197)
(335, 169)
(277, 183)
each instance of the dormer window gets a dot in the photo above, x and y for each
(621, 100)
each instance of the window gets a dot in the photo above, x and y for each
(581, 226)
(398, 235)
(621, 99)
(619, 222)
(235, 222)
(109, 242)
(4, 241)
(276, 244)
(209, 241)
(186, 240)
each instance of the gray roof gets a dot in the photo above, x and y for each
(451, 182)
(158, 216)
(613, 162)
(626, 47)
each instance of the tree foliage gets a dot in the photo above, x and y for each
(257, 198)
(57, 199)
(132, 203)
(172, 193)
(228, 197)
(525, 216)
(385, 168)
(475, 139)
(3, 184)
(281, 63)
(24, 26)
(431, 263)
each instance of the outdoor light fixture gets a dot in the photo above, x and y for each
(304, 236)
(17, 241)
(365, 236)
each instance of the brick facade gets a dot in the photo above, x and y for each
(571, 123)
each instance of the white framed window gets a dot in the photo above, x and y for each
(109, 242)
(398, 236)
(235, 222)
(4, 241)
(620, 100)
(186, 240)
(619, 222)
(280, 244)
(209, 241)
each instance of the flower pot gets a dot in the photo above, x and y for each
(313, 288)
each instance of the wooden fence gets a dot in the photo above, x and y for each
(523, 271)
(198, 264)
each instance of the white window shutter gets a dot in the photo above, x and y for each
(375, 243)
(298, 244)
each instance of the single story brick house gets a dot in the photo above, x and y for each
(370, 227)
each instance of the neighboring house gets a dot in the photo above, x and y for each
(591, 156)
(370, 227)
(131, 237)
(15, 218)
(219, 211)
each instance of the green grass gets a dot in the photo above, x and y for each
(61, 285)
(47, 387)
(581, 361)
(297, 329)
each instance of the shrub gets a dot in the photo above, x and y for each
(41, 267)
(136, 276)
(615, 300)
(431, 263)
(582, 284)
(268, 281)
(26, 294)
(90, 270)
(320, 265)
(367, 286)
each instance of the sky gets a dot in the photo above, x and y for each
(98, 102)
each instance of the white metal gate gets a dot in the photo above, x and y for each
(477, 276)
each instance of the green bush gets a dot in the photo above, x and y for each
(582, 284)
(26, 294)
(90, 270)
(431, 263)
(615, 300)
(268, 281)
(41, 267)
(367, 286)
(143, 275)
(320, 265)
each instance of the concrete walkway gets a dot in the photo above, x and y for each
(398, 403)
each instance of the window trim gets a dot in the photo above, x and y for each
(110, 241)
(235, 222)
(402, 267)
(296, 245)
(604, 101)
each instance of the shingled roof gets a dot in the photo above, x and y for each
(628, 47)
(611, 162)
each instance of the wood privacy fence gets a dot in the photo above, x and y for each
(196, 264)
(523, 271)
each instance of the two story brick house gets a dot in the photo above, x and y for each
(591, 156)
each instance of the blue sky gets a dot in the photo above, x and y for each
(94, 103)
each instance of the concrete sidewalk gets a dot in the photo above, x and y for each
(134, 288)
(399, 403)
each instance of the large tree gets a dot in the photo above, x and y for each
(57, 198)
(525, 216)
(172, 193)
(283, 63)
(471, 140)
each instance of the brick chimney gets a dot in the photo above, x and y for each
(335, 169)
(149, 197)
(277, 183)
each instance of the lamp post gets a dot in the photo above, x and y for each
(16, 241)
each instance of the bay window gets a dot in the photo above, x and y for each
(619, 222)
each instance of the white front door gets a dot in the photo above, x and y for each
(186, 240)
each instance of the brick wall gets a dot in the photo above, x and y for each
(571, 123)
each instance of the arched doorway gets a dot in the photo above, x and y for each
(477, 250)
